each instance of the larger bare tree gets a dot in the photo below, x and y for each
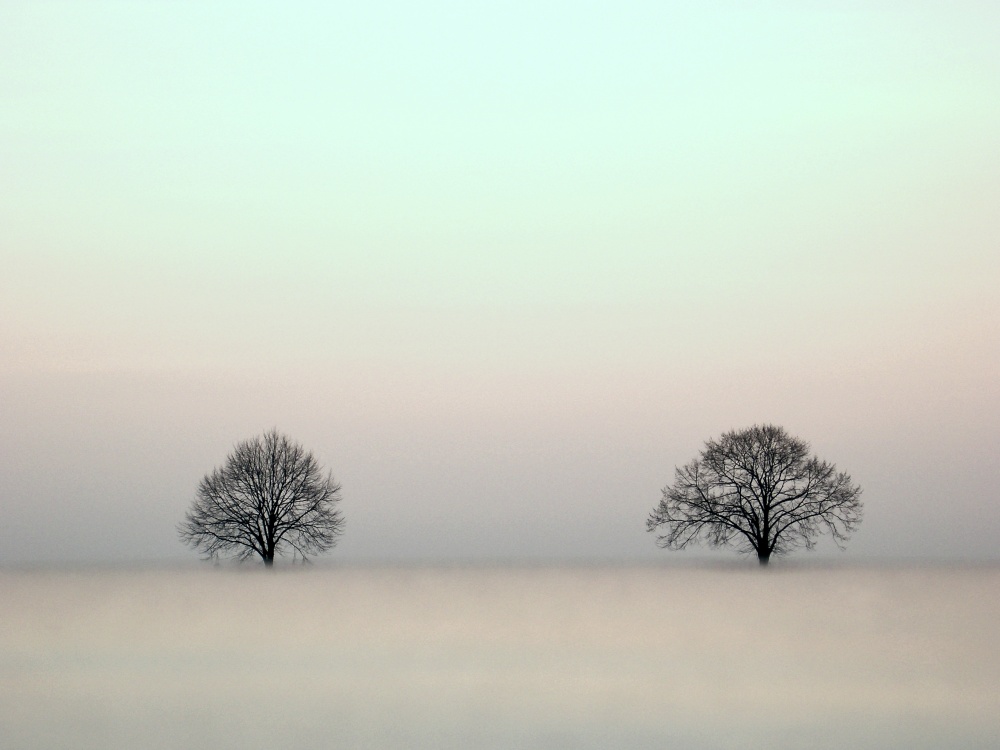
(759, 490)
(269, 497)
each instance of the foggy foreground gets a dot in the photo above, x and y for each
(793, 657)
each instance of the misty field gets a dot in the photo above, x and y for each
(576, 657)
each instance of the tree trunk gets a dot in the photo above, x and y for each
(269, 549)
(763, 556)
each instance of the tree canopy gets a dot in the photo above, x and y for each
(757, 489)
(269, 497)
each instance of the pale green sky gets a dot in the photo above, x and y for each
(442, 242)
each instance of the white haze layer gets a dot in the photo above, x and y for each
(793, 657)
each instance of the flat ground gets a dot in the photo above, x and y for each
(722, 657)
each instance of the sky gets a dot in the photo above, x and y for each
(500, 266)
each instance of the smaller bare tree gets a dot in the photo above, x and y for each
(268, 498)
(759, 490)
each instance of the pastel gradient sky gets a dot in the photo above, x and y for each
(501, 266)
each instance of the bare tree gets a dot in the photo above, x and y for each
(268, 498)
(759, 490)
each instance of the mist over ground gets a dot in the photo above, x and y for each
(441, 658)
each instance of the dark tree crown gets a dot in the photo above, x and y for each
(270, 497)
(757, 489)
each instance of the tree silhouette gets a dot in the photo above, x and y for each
(757, 489)
(269, 497)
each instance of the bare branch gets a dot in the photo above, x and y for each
(759, 489)
(269, 498)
